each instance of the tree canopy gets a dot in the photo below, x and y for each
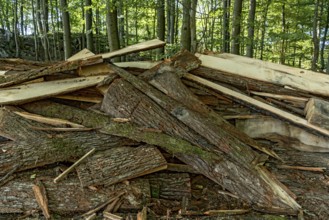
(291, 32)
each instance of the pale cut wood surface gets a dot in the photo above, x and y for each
(81, 55)
(284, 133)
(36, 91)
(308, 84)
(147, 45)
(258, 104)
(138, 64)
(307, 74)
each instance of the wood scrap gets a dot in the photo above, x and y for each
(319, 87)
(246, 99)
(36, 91)
(283, 133)
(112, 166)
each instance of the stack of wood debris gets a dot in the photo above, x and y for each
(190, 137)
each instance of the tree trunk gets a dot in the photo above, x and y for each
(315, 37)
(22, 16)
(171, 12)
(193, 25)
(89, 23)
(186, 28)
(324, 38)
(35, 33)
(122, 34)
(236, 27)
(66, 29)
(161, 26)
(251, 28)
(327, 70)
(112, 26)
(226, 26)
(262, 44)
(283, 33)
(15, 28)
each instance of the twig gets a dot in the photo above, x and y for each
(313, 169)
(61, 176)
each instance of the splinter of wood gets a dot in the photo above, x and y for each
(61, 176)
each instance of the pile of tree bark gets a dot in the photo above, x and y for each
(189, 137)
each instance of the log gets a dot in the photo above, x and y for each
(46, 71)
(67, 198)
(283, 133)
(31, 148)
(169, 83)
(36, 91)
(307, 84)
(260, 105)
(119, 164)
(316, 111)
(214, 166)
(82, 54)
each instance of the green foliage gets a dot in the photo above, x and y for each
(292, 38)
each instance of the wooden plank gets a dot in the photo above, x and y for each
(308, 84)
(246, 99)
(285, 134)
(138, 64)
(306, 74)
(37, 91)
(147, 45)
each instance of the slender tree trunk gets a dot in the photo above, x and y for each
(97, 30)
(89, 23)
(193, 25)
(186, 28)
(127, 25)
(176, 22)
(264, 29)
(282, 53)
(58, 27)
(35, 32)
(15, 24)
(161, 26)
(66, 30)
(251, 28)
(226, 26)
(112, 26)
(121, 21)
(315, 37)
(327, 70)
(45, 28)
(22, 17)
(324, 39)
(236, 28)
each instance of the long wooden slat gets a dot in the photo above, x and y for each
(308, 84)
(307, 74)
(287, 116)
(35, 91)
(147, 45)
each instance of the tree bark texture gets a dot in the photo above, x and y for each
(186, 29)
(119, 164)
(31, 148)
(212, 165)
(251, 28)
(161, 24)
(236, 27)
(66, 29)
(89, 25)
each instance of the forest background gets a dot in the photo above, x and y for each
(290, 32)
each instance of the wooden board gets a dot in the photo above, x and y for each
(258, 104)
(147, 45)
(140, 64)
(35, 91)
(285, 134)
(307, 74)
(308, 84)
